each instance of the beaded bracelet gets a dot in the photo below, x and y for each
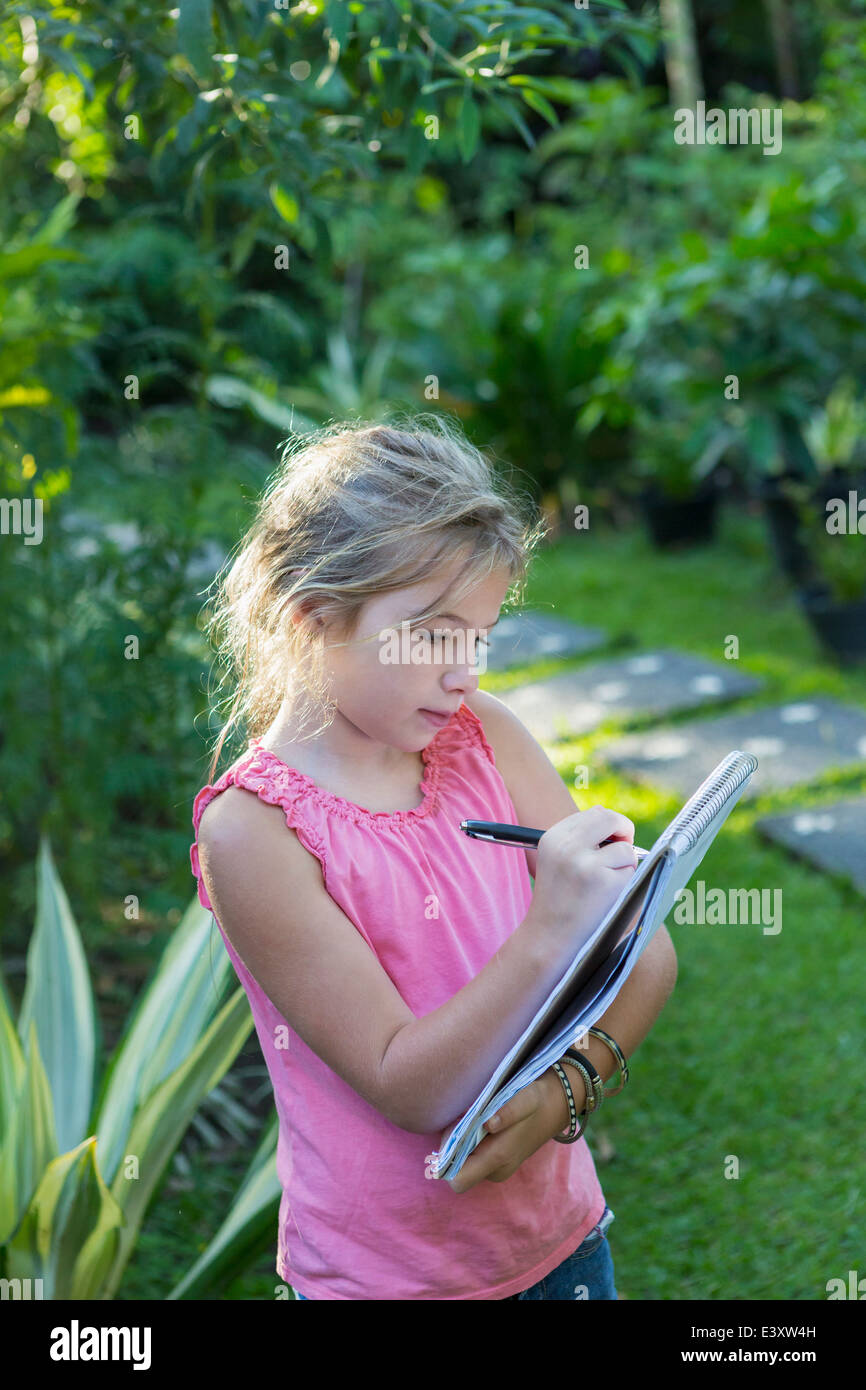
(589, 1104)
(617, 1052)
(573, 1132)
(593, 1085)
(589, 1100)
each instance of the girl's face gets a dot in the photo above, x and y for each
(381, 692)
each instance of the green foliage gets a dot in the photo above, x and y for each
(171, 291)
(841, 561)
(149, 331)
(71, 1207)
(748, 330)
(836, 434)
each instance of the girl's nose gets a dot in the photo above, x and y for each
(465, 678)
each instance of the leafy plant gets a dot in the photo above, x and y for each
(836, 434)
(753, 311)
(841, 560)
(676, 457)
(76, 1177)
(340, 387)
(833, 557)
(253, 1210)
(836, 551)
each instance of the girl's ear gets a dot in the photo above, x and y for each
(303, 613)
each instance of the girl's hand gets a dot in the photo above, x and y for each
(578, 879)
(530, 1119)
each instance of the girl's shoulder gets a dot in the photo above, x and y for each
(489, 723)
(230, 825)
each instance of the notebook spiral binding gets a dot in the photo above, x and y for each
(711, 796)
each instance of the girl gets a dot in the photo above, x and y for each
(390, 961)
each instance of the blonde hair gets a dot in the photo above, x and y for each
(338, 524)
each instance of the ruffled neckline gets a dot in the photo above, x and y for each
(263, 761)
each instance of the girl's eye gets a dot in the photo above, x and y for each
(440, 636)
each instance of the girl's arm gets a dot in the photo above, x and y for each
(632, 1013)
(532, 1117)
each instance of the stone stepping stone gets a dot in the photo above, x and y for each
(520, 638)
(656, 682)
(831, 837)
(793, 743)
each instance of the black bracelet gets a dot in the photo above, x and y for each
(597, 1083)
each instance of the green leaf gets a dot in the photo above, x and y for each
(58, 221)
(515, 118)
(629, 66)
(59, 1000)
(564, 89)
(643, 47)
(191, 124)
(418, 149)
(161, 1121)
(590, 416)
(69, 1234)
(243, 244)
(540, 104)
(231, 392)
(762, 443)
(12, 1064)
(274, 309)
(468, 127)
(194, 190)
(22, 262)
(339, 20)
(254, 1209)
(713, 452)
(167, 1023)
(442, 82)
(195, 32)
(30, 1142)
(284, 203)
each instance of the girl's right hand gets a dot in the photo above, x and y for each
(576, 882)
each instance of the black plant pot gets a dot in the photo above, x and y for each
(838, 483)
(784, 528)
(674, 521)
(783, 522)
(839, 626)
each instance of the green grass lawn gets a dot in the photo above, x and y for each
(757, 1052)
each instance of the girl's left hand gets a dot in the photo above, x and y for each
(530, 1119)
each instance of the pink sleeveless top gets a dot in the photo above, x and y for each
(358, 1217)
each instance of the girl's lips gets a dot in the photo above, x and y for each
(438, 719)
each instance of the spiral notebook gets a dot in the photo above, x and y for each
(606, 958)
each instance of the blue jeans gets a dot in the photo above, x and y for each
(587, 1273)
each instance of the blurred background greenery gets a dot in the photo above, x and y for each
(229, 221)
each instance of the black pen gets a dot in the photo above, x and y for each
(522, 835)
